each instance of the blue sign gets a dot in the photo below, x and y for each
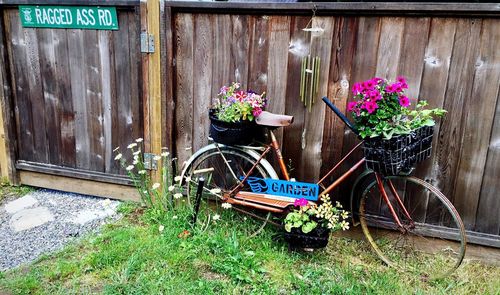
(292, 189)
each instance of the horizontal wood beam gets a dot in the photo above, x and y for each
(80, 186)
(72, 2)
(72, 172)
(361, 8)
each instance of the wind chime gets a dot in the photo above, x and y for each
(310, 68)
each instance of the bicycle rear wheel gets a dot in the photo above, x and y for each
(431, 239)
(222, 170)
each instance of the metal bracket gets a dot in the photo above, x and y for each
(149, 162)
(147, 43)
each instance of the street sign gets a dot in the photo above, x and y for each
(69, 17)
(291, 189)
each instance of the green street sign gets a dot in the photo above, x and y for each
(69, 17)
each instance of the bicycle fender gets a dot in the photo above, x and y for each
(269, 168)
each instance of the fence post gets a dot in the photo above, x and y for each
(152, 103)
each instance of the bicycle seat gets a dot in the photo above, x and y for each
(273, 120)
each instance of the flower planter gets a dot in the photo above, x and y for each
(399, 153)
(318, 238)
(233, 133)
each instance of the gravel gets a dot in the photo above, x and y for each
(74, 215)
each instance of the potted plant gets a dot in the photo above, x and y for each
(232, 117)
(395, 136)
(308, 225)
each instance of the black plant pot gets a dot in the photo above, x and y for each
(233, 133)
(399, 153)
(318, 238)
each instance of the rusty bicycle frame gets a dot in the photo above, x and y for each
(274, 146)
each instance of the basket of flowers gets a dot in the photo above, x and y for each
(232, 117)
(308, 225)
(396, 137)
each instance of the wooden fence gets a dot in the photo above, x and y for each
(71, 96)
(452, 61)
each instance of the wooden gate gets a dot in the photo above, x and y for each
(448, 52)
(70, 97)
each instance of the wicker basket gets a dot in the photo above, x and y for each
(237, 133)
(318, 238)
(400, 153)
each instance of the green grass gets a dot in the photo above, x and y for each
(8, 191)
(134, 257)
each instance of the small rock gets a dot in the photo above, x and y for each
(20, 204)
(30, 218)
(89, 215)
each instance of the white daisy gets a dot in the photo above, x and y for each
(129, 167)
(132, 145)
(165, 154)
(139, 139)
(226, 205)
(118, 157)
(177, 196)
(155, 185)
(142, 172)
(171, 188)
(216, 217)
(177, 178)
(161, 228)
(136, 153)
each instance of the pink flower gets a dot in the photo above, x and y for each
(374, 95)
(368, 85)
(377, 80)
(402, 82)
(351, 105)
(256, 112)
(404, 101)
(391, 88)
(356, 88)
(370, 106)
(300, 202)
(240, 95)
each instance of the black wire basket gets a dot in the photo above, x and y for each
(400, 153)
(233, 133)
(318, 238)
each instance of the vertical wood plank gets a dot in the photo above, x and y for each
(221, 74)
(259, 54)
(105, 63)
(478, 122)
(49, 120)
(7, 119)
(67, 117)
(184, 26)
(203, 38)
(78, 94)
(93, 97)
(36, 97)
(487, 220)
(155, 82)
(135, 70)
(314, 120)
(391, 35)
(239, 49)
(411, 61)
(298, 48)
(364, 67)
(343, 47)
(168, 77)
(457, 100)
(437, 59)
(279, 39)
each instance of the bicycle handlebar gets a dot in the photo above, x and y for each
(340, 115)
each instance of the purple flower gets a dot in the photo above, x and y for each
(300, 202)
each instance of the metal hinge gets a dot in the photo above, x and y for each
(147, 42)
(149, 162)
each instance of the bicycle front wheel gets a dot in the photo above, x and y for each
(222, 169)
(430, 238)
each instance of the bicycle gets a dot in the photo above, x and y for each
(398, 214)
